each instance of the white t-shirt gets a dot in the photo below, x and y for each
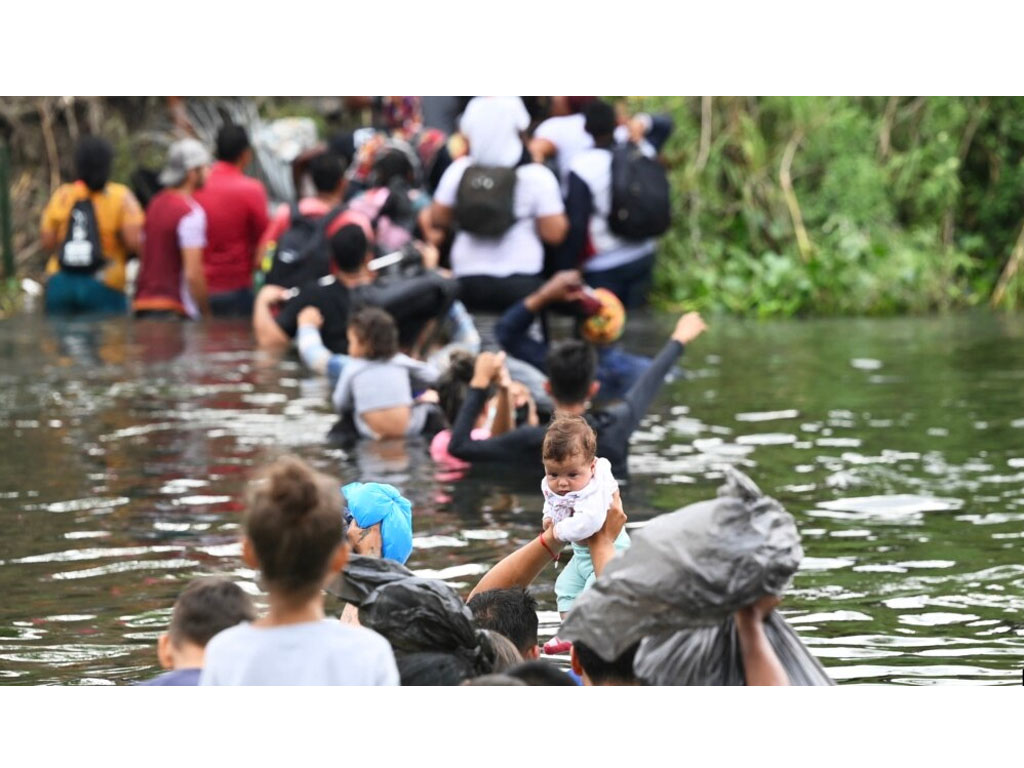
(492, 125)
(312, 653)
(594, 167)
(520, 250)
(570, 137)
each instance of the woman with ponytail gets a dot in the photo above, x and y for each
(295, 537)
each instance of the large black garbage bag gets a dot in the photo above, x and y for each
(419, 615)
(681, 581)
(364, 574)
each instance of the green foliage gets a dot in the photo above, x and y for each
(909, 204)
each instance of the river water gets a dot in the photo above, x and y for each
(896, 443)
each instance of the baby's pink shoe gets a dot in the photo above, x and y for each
(555, 646)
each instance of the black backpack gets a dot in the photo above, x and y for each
(484, 203)
(82, 251)
(641, 207)
(302, 254)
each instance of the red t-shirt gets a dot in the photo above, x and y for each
(236, 216)
(173, 221)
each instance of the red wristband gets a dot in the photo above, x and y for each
(540, 538)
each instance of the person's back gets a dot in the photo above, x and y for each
(118, 219)
(496, 270)
(159, 283)
(323, 652)
(236, 216)
(376, 384)
(171, 279)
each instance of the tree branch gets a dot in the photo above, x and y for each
(786, 181)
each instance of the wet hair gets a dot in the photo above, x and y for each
(453, 384)
(391, 164)
(569, 436)
(232, 141)
(600, 119)
(539, 672)
(509, 612)
(327, 170)
(506, 655)
(433, 669)
(294, 521)
(572, 366)
(207, 607)
(602, 672)
(348, 248)
(493, 679)
(93, 156)
(376, 329)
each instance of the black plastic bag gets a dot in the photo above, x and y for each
(420, 615)
(679, 584)
(364, 574)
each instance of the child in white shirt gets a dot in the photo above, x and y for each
(578, 488)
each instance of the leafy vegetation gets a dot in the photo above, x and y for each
(843, 205)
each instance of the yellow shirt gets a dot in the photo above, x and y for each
(115, 207)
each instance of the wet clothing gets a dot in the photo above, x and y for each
(613, 425)
(176, 677)
(174, 222)
(236, 217)
(333, 300)
(372, 385)
(311, 653)
(71, 294)
(115, 207)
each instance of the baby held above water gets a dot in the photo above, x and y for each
(578, 488)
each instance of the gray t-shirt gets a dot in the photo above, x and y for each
(312, 653)
(370, 385)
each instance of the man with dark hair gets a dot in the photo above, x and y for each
(571, 368)
(509, 612)
(596, 671)
(236, 216)
(412, 302)
(611, 261)
(205, 608)
(91, 226)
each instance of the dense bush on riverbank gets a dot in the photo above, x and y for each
(840, 205)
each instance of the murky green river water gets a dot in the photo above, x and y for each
(898, 444)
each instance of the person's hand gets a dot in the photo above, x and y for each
(614, 522)
(430, 254)
(566, 285)
(272, 294)
(311, 316)
(487, 369)
(548, 522)
(755, 613)
(689, 327)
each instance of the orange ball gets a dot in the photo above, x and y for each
(606, 325)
